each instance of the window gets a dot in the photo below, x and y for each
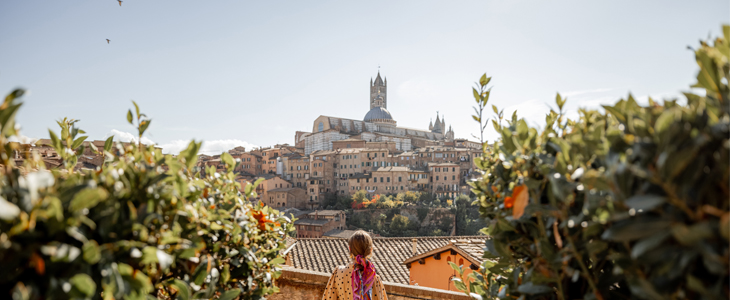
(453, 177)
(388, 179)
(453, 169)
(437, 178)
(375, 179)
(400, 179)
(320, 127)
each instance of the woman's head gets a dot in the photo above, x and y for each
(360, 244)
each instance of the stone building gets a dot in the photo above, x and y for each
(444, 179)
(377, 125)
(316, 224)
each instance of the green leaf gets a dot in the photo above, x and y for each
(7, 120)
(459, 284)
(532, 289)
(486, 98)
(645, 202)
(277, 261)
(648, 244)
(92, 253)
(83, 284)
(108, 143)
(484, 80)
(129, 116)
(17, 93)
(87, 198)
(183, 291)
(634, 229)
(93, 147)
(476, 95)
(494, 108)
(496, 126)
(615, 112)
(136, 107)
(454, 266)
(560, 101)
(55, 142)
(143, 126)
(78, 142)
(230, 294)
(665, 120)
(227, 159)
(149, 256)
(692, 235)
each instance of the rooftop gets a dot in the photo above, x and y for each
(326, 212)
(318, 222)
(325, 254)
(392, 169)
(338, 233)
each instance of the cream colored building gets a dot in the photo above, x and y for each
(378, 125)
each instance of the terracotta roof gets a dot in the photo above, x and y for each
(283, 189)
(326, 212)
(325, 254)
(317, 222)
(471, 249)
(442, 164)
(392, 169)
(338, 233)
(294, 212)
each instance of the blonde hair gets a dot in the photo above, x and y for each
(360, 244)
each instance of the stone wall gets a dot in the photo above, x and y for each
(296, 284)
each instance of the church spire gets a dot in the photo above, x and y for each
(378, 92)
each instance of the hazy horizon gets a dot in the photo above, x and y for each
(237, 73)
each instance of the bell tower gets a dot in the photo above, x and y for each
(379, 92)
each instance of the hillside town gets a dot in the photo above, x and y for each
(338, 157)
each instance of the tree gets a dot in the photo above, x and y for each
(142, 226)
(461, 214)
(398, 225)
(630, 202)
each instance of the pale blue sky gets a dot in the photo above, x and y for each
(230, 72)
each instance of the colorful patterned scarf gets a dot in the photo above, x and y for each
(363, 279)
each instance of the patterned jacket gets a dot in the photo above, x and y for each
(339, 287)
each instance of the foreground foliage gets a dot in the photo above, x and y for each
(142, 226)
(630, 203)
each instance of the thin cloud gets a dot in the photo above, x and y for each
(213, 147)
(127, 137)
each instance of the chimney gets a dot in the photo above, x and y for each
(415, 246)
(316, 214)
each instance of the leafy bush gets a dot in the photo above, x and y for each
(142, 226)
(630, 203)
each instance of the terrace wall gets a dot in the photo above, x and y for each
(297, 284)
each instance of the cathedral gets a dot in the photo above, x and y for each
(378, 125)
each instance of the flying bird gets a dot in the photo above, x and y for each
(107, 41)
(120, 2)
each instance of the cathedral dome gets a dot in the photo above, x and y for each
(378, 113)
